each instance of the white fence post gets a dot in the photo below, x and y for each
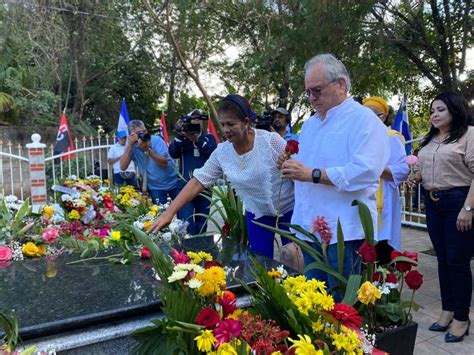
(37, 172)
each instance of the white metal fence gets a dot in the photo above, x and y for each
(90, 158)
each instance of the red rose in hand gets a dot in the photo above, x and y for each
(208, 318)
(292, 147)
(404, 266)
(414, 279)
(347, 315)
(368, 253)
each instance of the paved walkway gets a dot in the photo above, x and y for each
(428, 297)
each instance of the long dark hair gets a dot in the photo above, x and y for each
(461, 113)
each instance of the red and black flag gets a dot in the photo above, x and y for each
(64, 140)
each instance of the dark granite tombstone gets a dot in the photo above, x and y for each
(51, 297)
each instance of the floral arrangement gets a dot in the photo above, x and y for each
(289, 315)
(380, 295)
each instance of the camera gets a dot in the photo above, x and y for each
(191, 128)
(264, 121)
(144, 136)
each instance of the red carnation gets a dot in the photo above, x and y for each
(228, 304)
(180, 257)
(292, 147)
(414, 279)
(404, 266)
(368, 253)
(209, 264)
(347, 315)
(226, 229)
(208, 318)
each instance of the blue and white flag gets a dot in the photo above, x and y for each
(401, 124)
(123, 120)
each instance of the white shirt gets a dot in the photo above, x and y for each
(254, 175)
(116, 151)
(351, 143)
(391, 226)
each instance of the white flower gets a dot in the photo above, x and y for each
(194, 283)
(177, 275)
(134, 202)
(174, 226)
(66, 197)
(391, 285)
(282, 271)
(189, 267)
(166, 237)
(384, 290)
(10, 199)
(72, 177)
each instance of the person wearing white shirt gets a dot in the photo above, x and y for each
(342, 153)
(388, 196)
(121, 177)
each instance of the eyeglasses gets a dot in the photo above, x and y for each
(316, 92)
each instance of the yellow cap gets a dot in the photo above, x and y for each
(378, 102)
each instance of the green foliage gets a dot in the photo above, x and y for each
(9, 325)
(14, 225)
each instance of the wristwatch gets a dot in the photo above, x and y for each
(467, 208)
(316, 175)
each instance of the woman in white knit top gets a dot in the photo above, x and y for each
(248, 159)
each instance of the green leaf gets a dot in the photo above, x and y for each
(326, 268)
(353, 284)
(366, 221)
(340, 248)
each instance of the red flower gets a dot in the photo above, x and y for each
(226, 229)
(208, 318)
(391, 278)
(180, 257)
(229, 305)
(368, 253)
(414, 279)
(404, 266)
(292, 147)
(145, 253)
(227, 330)
(209, 264)
(321, 226)
(347, 315)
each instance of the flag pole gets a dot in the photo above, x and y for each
(68, 90)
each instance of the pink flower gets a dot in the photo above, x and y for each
(145, 253)
(5, 254)
(321, 226)
(50, 235)
(227, 330)
(180, 257)
(412, 160)
(4, 264)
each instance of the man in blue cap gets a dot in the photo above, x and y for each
(121, 177)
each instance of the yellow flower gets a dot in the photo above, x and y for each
(317, 326)
(304, 346)
(205, 341)
(213, 281)
(48, 211)
(196, 258)
(107, 181)
(147, 225)
(226, 349)
(347, 341)
(31, 249)
(106, 241)
(115, 235)
(275, 274)
(74, 215)
(368, 293)
(237, 314)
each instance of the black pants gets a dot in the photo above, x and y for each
(453, 249)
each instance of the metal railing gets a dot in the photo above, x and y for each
(90, 158)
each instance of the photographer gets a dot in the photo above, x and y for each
(281, 121)
(192, 147)
(150, 154)
(121, 177)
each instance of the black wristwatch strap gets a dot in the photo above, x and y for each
(316, 175)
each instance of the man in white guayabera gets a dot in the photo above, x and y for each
(121, 177)
(342, 152)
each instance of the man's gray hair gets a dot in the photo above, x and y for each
(333, 67)
(134, 124)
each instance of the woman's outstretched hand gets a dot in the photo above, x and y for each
(160, 223)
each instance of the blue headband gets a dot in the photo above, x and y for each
(243, 107)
